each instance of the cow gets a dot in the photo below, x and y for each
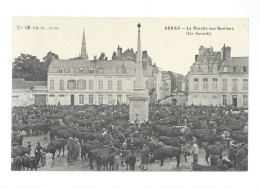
(130, 160)
(17, 138)
(29, 162)
(17, 163)
(167, 152)
(56, 145)
(21, 151)
(215, 149)
(170, 141)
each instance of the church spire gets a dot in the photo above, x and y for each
(84, 54)
(139, 68)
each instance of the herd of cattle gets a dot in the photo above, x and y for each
(104, 131)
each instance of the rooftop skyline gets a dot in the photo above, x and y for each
(171, 50)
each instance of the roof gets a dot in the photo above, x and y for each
(81, 63)
(32, 84)
(19, 84)
(209, 57)
(128, 53)
(236, 61)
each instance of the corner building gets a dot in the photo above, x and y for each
(216, 78)
(82, 81)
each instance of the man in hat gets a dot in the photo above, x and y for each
(37, 153)
(195, 152)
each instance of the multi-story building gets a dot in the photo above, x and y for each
(216, 78)
(83, 81)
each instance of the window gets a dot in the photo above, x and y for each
(51, 95)
(244, 69)
(71, 71)
(51, 84)
(100, 99)
(196, 83)
(61, 84)
(71, 84)
(205, 83)
(110, 99)
(119, 70)
(234, 85)
(119, 85)
(215, 69)
(234, 69)
(91, 71)
(205, 96)
(195, 96)
(146, 84)
(214, 97)
(60, 70)
(119, 99)
(128, 58)
(225, 69)
(205, 69)
(61, 95)
(196, 69)
(215, 84)
(90, 99)
(90, 84)
(100, 71)
(245, 84)
(100, 84)
(224, 100)
(81, 99)
(245, 100)
(81, 71)
(224, 85)
(109, 84)
(81, 84)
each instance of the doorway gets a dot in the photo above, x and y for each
(72, 100)
(234, 100)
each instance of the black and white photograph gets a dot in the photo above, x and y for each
(129, 94)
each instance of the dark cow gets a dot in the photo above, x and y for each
(170, 141)
(21, 151)
(103, 157)
(130, 161)
(29, 162)
(17, 138)
(56, 145)
(85, 136)
(167, 152)
(17, 163)
(215, 149)
(62, 132)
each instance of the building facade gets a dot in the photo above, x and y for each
(216, 78)
(100, 81)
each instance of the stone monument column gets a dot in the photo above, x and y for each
(139, 99)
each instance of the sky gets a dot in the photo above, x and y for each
(171, 49)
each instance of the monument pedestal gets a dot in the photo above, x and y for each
(138, 106)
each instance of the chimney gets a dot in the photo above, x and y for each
(144, 55)
(119, 51)
(196, 57)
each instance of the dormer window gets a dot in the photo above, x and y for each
(128, 58)
(60, 70)
(71, 71)
(91, 71)
(100, 70)
(215, 69)
(205, 69)
(225, 69)
(81, 71)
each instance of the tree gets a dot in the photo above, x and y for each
(49, 56)
(102, 56)
(28, 67)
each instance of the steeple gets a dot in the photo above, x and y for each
(139, 68)
(84, 54)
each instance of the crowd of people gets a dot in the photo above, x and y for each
(110, 119)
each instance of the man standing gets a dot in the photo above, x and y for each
(29, 147)
(37, 153)
(117, 161)
(195, 151)
(69, 148)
